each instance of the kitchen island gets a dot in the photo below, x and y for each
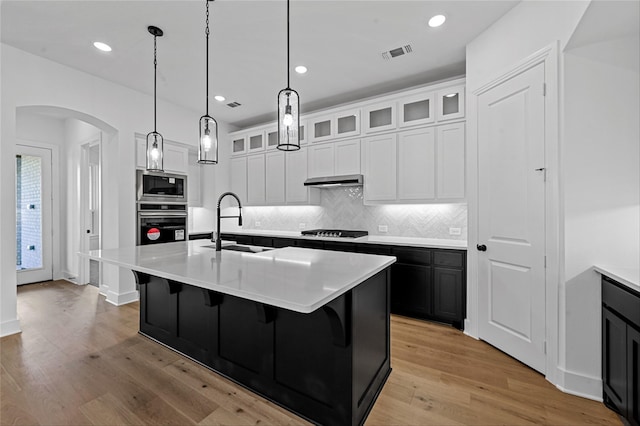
(307, 329)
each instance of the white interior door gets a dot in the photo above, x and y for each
(33, 215)
(511, 217)
(90, 198)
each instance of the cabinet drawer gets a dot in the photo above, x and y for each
(415, 256)
(448, 258)
(373, 249)
(283, 242)
(624, 302)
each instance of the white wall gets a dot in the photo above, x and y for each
(28, 80)
(601, 177)
(523, 31)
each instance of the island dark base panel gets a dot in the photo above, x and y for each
(327, 366)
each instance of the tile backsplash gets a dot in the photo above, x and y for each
(343, 208)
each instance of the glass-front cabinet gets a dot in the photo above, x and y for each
(417, 110)
(321, 128)
(272, 138)
(450, 103)
(348, 123)
(239, 145)
(256, 141)
(380, 117)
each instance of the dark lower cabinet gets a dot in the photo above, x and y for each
(621, 349)
(426, 283)
(327, 366)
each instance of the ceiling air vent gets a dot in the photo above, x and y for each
(398, 51)
(233, 104)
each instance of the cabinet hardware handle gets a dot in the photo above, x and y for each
(481, 247)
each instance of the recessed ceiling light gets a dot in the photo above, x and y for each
(437, 20)
(219, 98)
(301, 69)
(102, 46)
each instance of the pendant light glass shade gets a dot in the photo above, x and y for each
(208, 146)
(155, 152)
(288, 120)
(288, 111)
(208, 142)
(155, 142)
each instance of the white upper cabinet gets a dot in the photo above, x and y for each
(380, 117)
(379, 168)
(416, 165)
(321, 159)
(239, 144)
(256, 190)
(256, 141)
(417, 110)
(239, 178)
(303, 132)
(451, 162)
(347, 123)
(272, 138)
(321, 128)
(450, 103)
(176, 157)
(274, 178)
(347, 157)
(296, 174)
(194, 181)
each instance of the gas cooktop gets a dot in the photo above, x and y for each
(334, 233)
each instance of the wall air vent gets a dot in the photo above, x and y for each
(398, 51)
(233, 104)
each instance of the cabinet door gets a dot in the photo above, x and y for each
(380, 117)
(239, 145)
(295, 175)
(614, 359)
(256, 141)
(633, 376)
(416, 165)
(272, 138)
(239, 178)
(451, 162)
(379, 167)
(321, 159)
(417, 110)
(321, 129)
(255, 180)
(447, 294)
(347, 157)
(302, 133)
(176, 159)
(450, 103)
(410, 288)
(274, 162)
(141, 152)
(347, 123)
(194, 189)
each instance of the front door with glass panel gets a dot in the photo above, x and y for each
(33, 214)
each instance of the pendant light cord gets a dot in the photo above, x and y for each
(155, 72)
(207, 56)
(288, 66)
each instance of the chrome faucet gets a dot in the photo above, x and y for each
(218, 239)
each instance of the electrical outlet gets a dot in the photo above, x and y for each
(454, 231)
(257, 224)
(383, 228)
(302, 225)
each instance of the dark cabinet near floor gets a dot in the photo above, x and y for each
(426, 283)
(621, 349)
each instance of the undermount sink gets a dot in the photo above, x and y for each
(244, 248)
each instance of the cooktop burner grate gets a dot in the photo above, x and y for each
(334, 233)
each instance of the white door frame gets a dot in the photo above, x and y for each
(85, 220)
(549, 56)
(45, 272)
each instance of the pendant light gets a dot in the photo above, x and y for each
(208, 144)
(288, 111)
(155, 143)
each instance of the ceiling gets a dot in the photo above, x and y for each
(341, 43)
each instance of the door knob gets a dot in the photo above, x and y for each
(481, 247)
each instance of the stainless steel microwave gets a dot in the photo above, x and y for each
(161, 187)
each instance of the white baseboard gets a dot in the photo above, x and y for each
(578, 384)
(122, 299)
(10, 327)
(104, 289)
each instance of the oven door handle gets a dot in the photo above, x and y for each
(161, 214)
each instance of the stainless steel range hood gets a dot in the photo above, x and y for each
(333, 181)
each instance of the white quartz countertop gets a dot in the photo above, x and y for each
(627, 276)
(293, 278)
(370, 239)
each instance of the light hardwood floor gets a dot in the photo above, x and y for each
(80, 361)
